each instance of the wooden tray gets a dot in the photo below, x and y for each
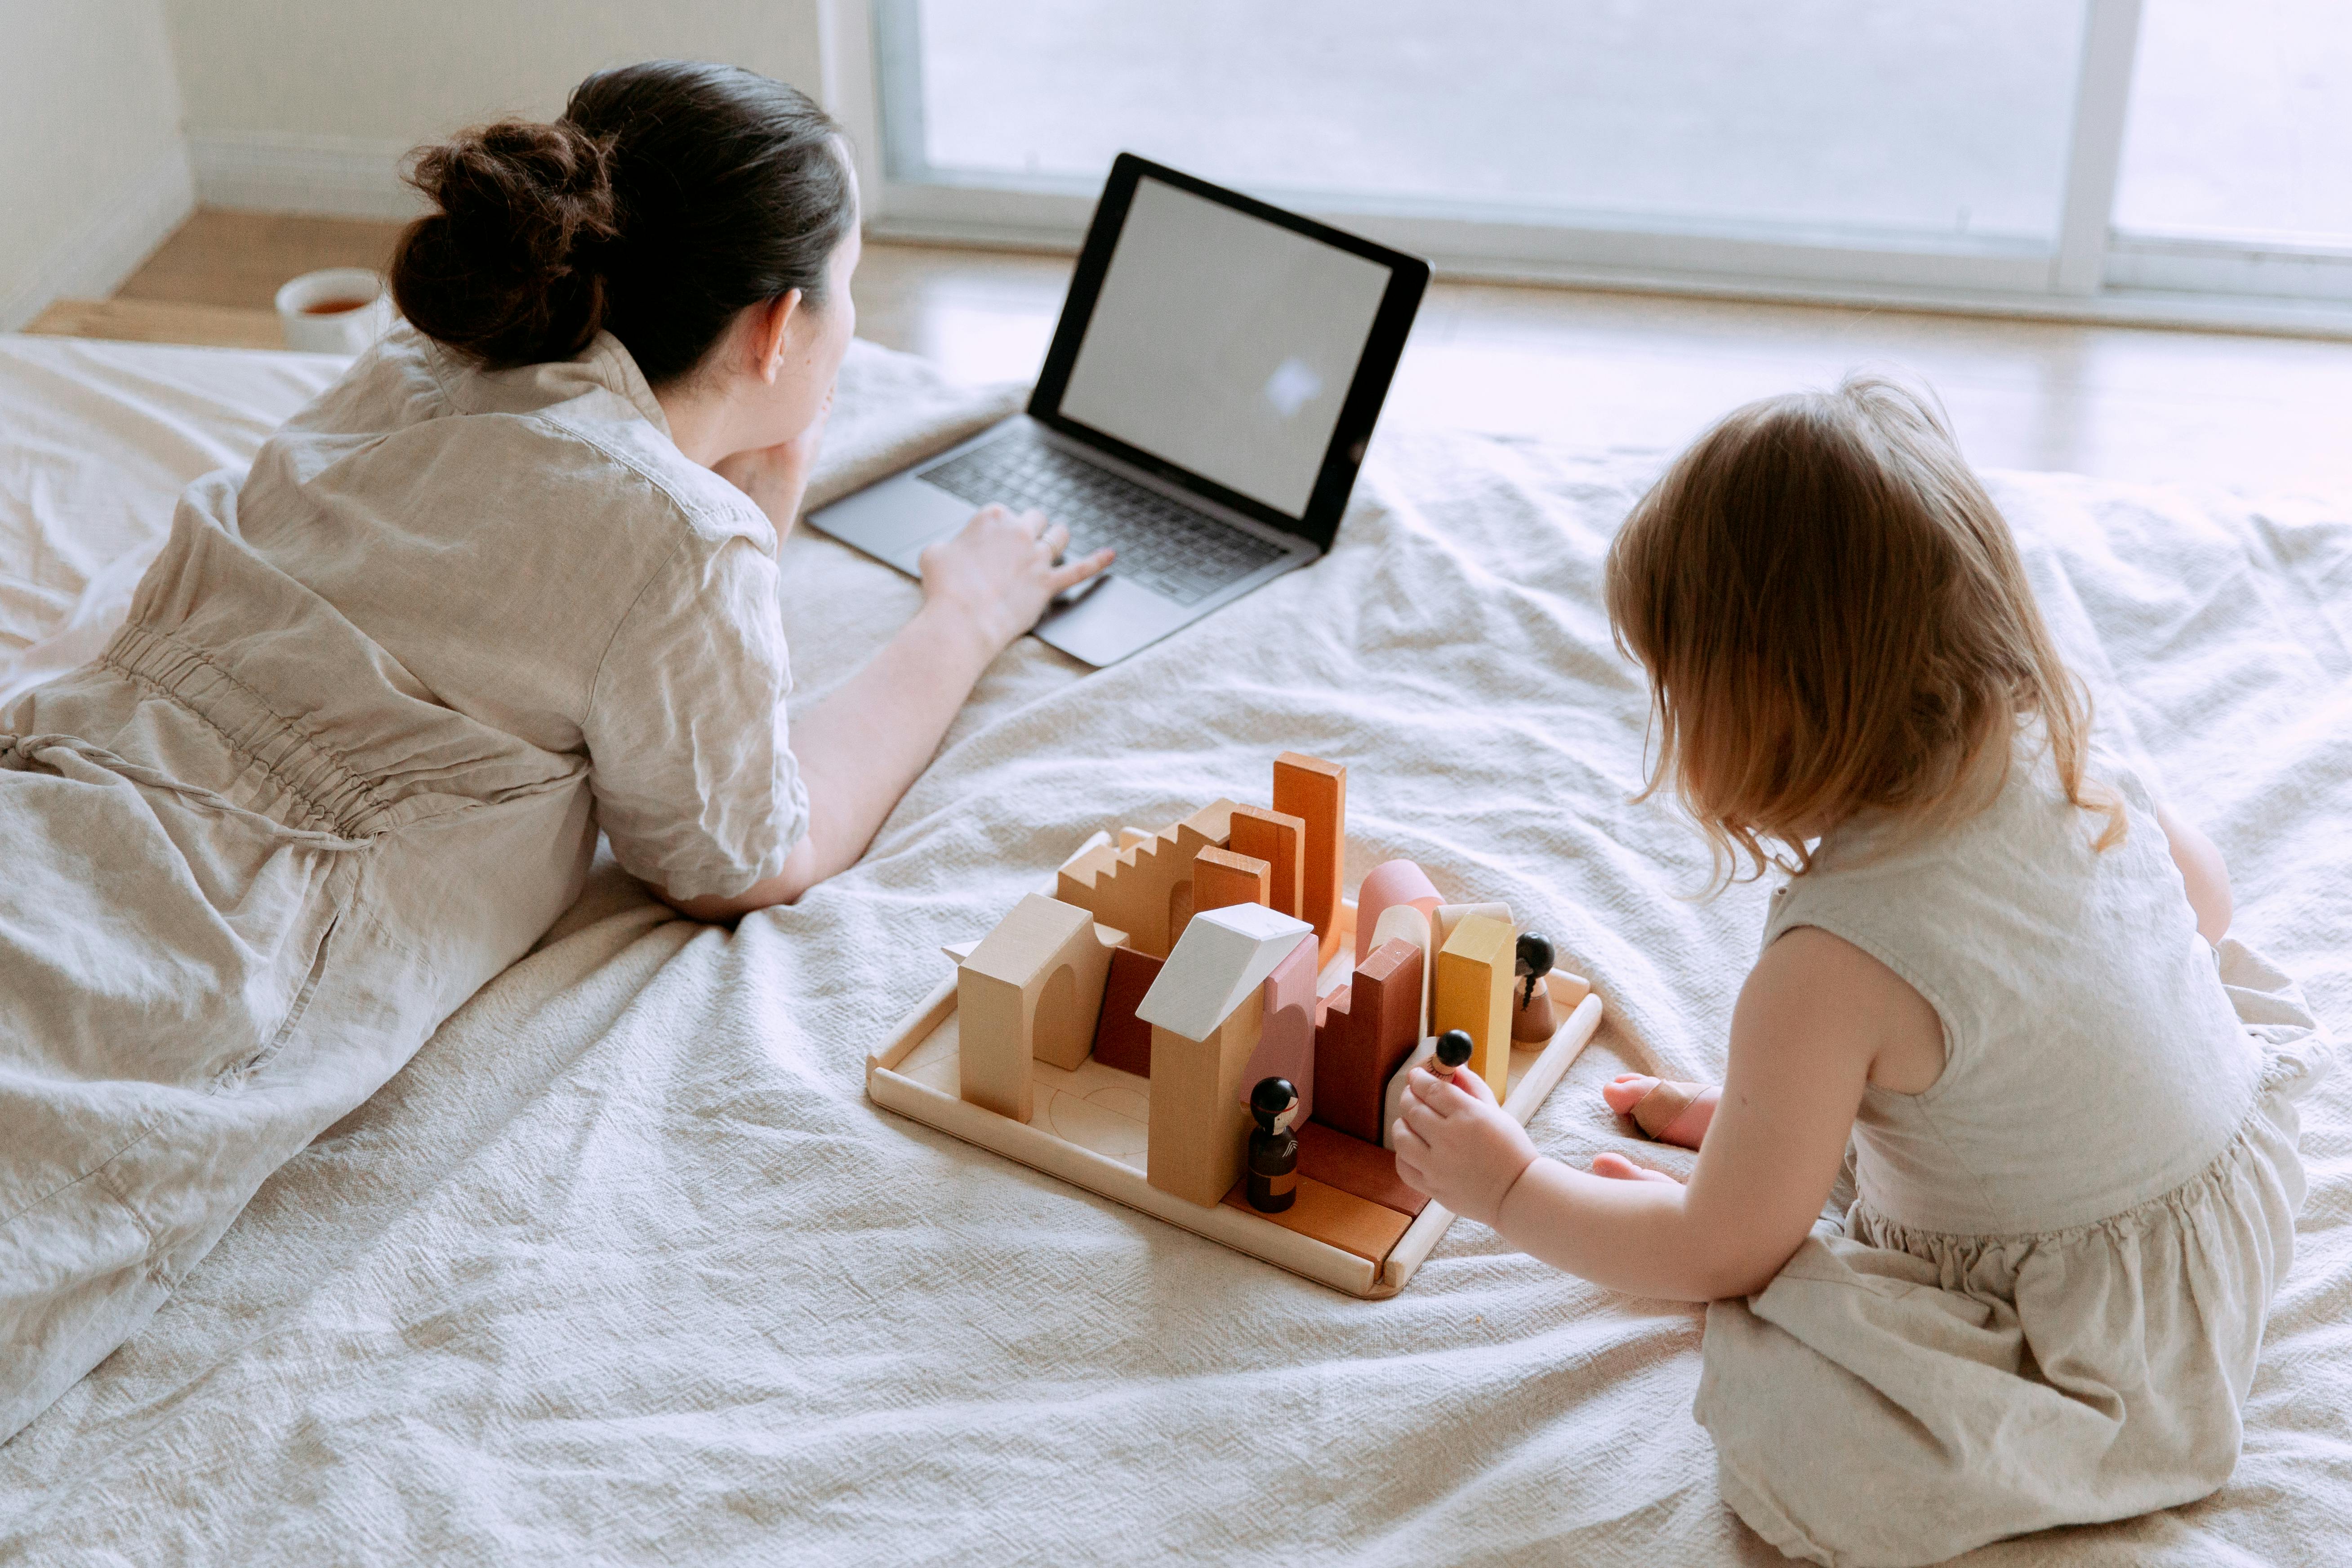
(1088, 1129)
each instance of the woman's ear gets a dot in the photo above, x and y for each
(770, 324)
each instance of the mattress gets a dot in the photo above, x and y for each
(625, 1266)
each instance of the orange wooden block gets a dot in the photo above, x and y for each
(1272, 837)
(1221, 878)
(1366, 1031)
(1342, 1219)
(1316, 791)
(1122, 1040)
(1352, 1165)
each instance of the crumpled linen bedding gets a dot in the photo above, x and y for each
(625, 1266)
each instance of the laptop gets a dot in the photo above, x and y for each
(1213, 380)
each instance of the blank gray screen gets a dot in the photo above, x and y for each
(1225, 344)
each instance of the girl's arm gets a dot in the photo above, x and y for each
(863, 746)
(1814, 1018)
(2203, 872)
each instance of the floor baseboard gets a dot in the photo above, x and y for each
(327, 176)
(92, 260)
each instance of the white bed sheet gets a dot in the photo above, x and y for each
(624, 1267)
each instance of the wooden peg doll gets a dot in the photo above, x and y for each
(1443, 1055)
(1272, 1147)
(1451, 1050)
(1532, 1016)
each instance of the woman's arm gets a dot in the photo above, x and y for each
(1811, 1020)
(863, 746)
(2203, 872)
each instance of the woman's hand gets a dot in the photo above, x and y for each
(998, 572)
(777, 476)
(1453, 1142)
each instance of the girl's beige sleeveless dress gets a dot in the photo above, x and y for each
(2045, 1304)
(346, 761)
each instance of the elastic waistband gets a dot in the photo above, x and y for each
(338, 798)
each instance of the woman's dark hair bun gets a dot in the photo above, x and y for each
(669, 197)
(506, 269)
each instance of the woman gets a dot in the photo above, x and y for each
(512, 579)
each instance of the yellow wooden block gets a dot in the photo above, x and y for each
(1474, 994)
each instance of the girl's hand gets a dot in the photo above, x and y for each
(1454, 1144)
(998, 572)
(777, 476)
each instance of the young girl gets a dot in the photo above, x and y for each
(513, 580)
(1989, 968)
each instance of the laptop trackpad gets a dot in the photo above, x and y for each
(1111, 622)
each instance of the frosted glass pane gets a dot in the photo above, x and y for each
(1926, 120)
(2241, 121)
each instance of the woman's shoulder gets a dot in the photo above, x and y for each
(582, 444)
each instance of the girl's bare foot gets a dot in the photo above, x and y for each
(1619, 1168)
(1671, 1112)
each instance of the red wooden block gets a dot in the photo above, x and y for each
(1316, 791)
(1122, 1040)
(1367, 1031)
(1355, 1166)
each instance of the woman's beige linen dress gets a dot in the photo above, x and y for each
(346, 761)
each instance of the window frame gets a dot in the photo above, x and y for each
(872, 64)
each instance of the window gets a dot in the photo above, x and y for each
(1945, 152)
(2237, 160)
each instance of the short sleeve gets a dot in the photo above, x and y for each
(688, 756)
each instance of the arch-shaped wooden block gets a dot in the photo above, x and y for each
(1032, 989)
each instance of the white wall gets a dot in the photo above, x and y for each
(306, 105)
(93, 174)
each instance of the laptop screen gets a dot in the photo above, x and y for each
(1224, 343)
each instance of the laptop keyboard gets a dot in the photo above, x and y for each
(1170, 549)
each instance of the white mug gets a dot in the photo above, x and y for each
(340, 310)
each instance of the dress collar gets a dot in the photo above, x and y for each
(611, 367)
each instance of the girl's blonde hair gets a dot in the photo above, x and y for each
(1835, 617)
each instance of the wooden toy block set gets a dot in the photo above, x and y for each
(1197, 1024)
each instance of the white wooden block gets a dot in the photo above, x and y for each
(1221, 959)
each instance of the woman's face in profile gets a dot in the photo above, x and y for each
(815, 341)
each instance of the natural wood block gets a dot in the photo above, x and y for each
(1474, 994)
(1316, 791)
(1368, 1029)
(1199, 1124)
(1221, 878)
(1122, 1040)
(1032, 988)
(1146, 888)
(1275, 838)
(1207, 1012)
(1342, 1219)
(1354, 1166)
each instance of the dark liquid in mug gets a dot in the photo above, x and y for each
(334, 306)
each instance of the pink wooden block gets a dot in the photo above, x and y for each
(1386, 885)
(1286, 1045)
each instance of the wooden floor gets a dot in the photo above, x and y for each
(1588, 368)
